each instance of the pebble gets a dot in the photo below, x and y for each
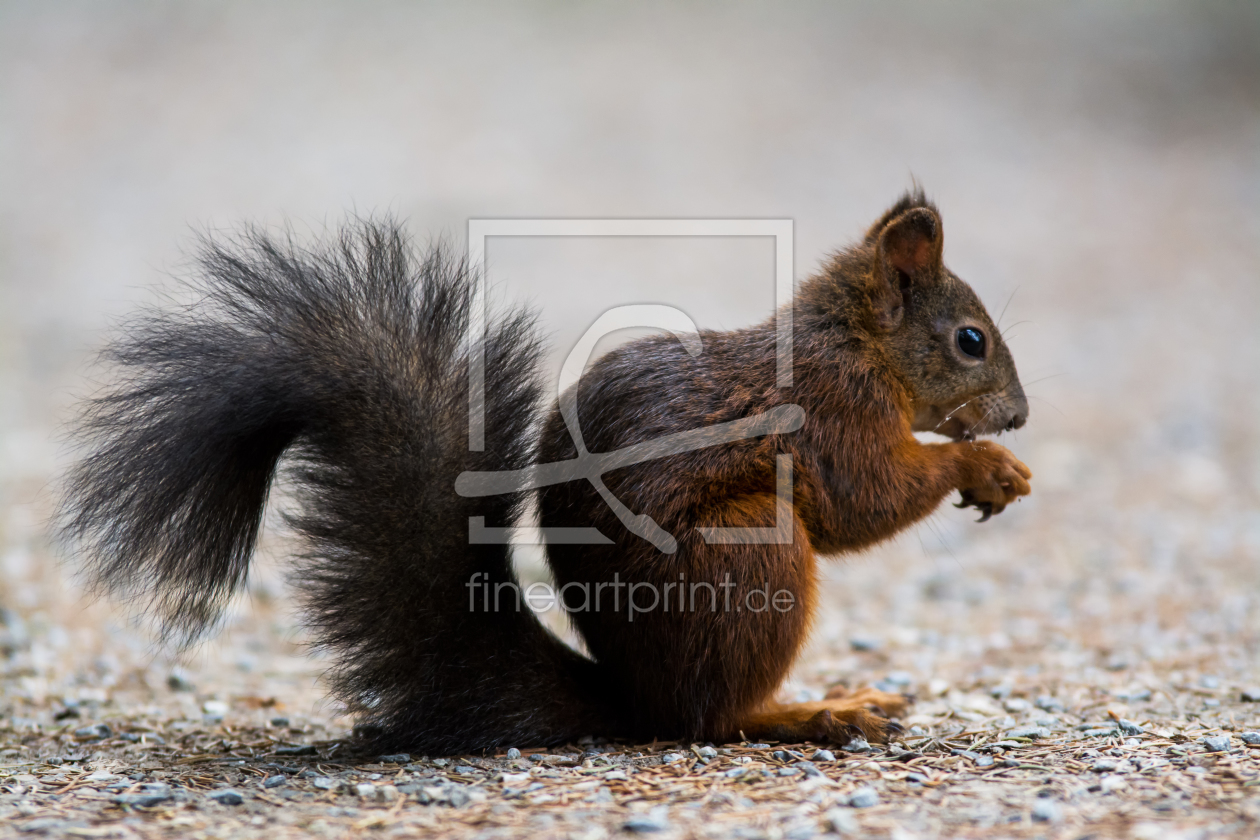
(824, 755)
(1015, 705)
(404, 758)
(840, 821)
(280, 721)
(95, 732)
(1049, 704)
(178, 681)
(806, 767)
(863, 797)
(864, 643)
(1047, 811)
(707, 753)
(917, 778)
(1029, 732)
(857, 745)
(146, 796)
(365, 790)
(1252, 738)
(274, 781)
(305, 749)
(1251, 695)
(1104, 765)
(1216, 743)
(326, 783)
(984, 761)
(1209, 682)
(512, 754)
(1128, 727)
(227, 796)
(215, 709)
(645, 823)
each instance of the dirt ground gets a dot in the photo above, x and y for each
(1087, 664)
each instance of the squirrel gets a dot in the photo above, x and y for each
(346, 366)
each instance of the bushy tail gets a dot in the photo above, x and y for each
(350, 361)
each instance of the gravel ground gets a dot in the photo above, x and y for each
(1087, 664)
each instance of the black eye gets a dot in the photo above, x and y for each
(971, 342)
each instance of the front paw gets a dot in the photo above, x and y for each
(992, 478)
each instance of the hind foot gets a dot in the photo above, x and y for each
(837, 719)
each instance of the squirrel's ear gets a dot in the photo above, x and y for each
(908, 250)
(912, 242)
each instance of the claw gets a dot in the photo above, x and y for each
(987, 510)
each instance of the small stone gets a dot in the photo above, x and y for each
(863, 797)
(1134, 695)
(984, 761)
(807, 768)
(864, 643)
(280, 722)
(458, 797)
(403, 758)
(615, 776)
(387, 793)
(1047, 811)
(365, 790)
(670, 758)
(214, 709)
(1104, 765)
(788, 771)
(1048, 704)
(146, 796)
(274, 781)
(513, 753)
(824, 755)
(1209, 682)
(1128, 727)
(736, 772)
(645, 824)
(1251, 695)
(178, 681)
(1029, 732)
(707, 753)
(305, 749)
(95, 732)
(1015, 705)
(1216, 743)
(857, 745)
(840, 821)
(1250, 738)
(758, 746)
(1100, 732)
(800, 832)
(227, 796)
(326, 783)
(1113, 783)
(916, 778)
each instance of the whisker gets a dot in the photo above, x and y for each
(1013, 326)
(1008, 303)
(1047, 402)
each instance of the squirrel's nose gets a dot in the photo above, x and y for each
(1017, 422)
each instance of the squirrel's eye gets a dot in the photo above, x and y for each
(971, 342)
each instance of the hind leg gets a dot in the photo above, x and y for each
(835, 720)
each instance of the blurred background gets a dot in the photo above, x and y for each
(1097, 166)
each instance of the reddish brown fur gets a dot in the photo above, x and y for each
(860, 476)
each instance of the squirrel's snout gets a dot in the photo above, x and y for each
(1016, 422)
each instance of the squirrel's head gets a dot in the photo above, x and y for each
(931, 326)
